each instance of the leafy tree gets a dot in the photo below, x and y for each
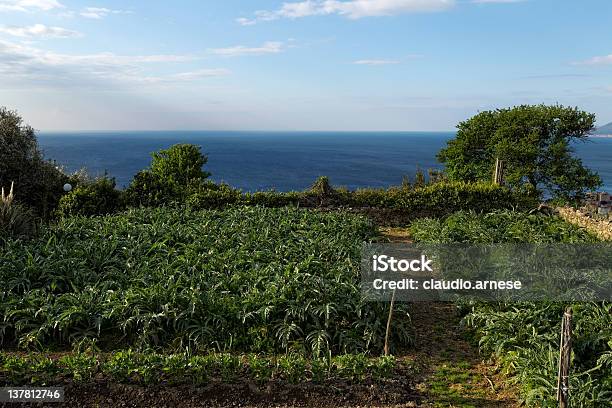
(38, 183)
(180, 164)
(535, 143)
(174, 174)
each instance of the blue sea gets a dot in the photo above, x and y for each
(282, 161)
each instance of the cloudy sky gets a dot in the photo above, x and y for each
(298, 65)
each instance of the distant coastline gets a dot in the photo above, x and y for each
(602, 136)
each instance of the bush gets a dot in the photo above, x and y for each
(444, 198)
(16, 221)
(210, 195)
(175, 173)
(437, 199)
(98, 197)
(147, 190)
(39, 182)
(179, 165)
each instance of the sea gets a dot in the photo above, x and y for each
(280, 161)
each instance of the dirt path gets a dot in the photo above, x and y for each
(452, 373)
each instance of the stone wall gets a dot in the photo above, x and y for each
(602, 228)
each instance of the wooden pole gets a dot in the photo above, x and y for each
(565, 353)
(389, 324)
(498, 172)
(495, 170)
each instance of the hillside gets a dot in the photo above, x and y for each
(604, 130)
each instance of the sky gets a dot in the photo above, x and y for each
(298, 65)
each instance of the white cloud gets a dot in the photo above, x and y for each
(496, 1)
(100, 12)
(31, 65)
(353, 9)
(375, 62)
(38, 30)
(599, 60)
(270, 47)
(199, 74)
(29, 5)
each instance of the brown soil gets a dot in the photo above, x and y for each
(241, 395)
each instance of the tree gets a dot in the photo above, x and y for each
(38, 183)
(174, 174)
(535, 143)
(180, 164)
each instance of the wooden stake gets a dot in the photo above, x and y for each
(565, 353)
(389, 323)
(498, 172)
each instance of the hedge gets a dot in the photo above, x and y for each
(439, 198)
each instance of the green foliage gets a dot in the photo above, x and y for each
(16, 221)
(430, 200)
(498, 227)
(243, 279)
(535, 143)
(39, 183)
(129, 367)
(98, 197)
(524, 337)
(174, 174)
(322, 187)
(147, 190)
(208, 195)
(180, 164)
(444, 198)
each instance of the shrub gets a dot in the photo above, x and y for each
(16, 221)
(273, 198)
(174, 174)
(180, 164)
(438, 199)
(210, 195)
(40, 182)
(322, 187)
(147, 190)
(98, 197)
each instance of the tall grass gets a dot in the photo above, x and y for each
(16, 221)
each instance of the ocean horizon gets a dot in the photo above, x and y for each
(279, 160)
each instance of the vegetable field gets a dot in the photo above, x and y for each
(236, 280)
(524, 337)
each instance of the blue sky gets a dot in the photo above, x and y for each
(298, 65)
